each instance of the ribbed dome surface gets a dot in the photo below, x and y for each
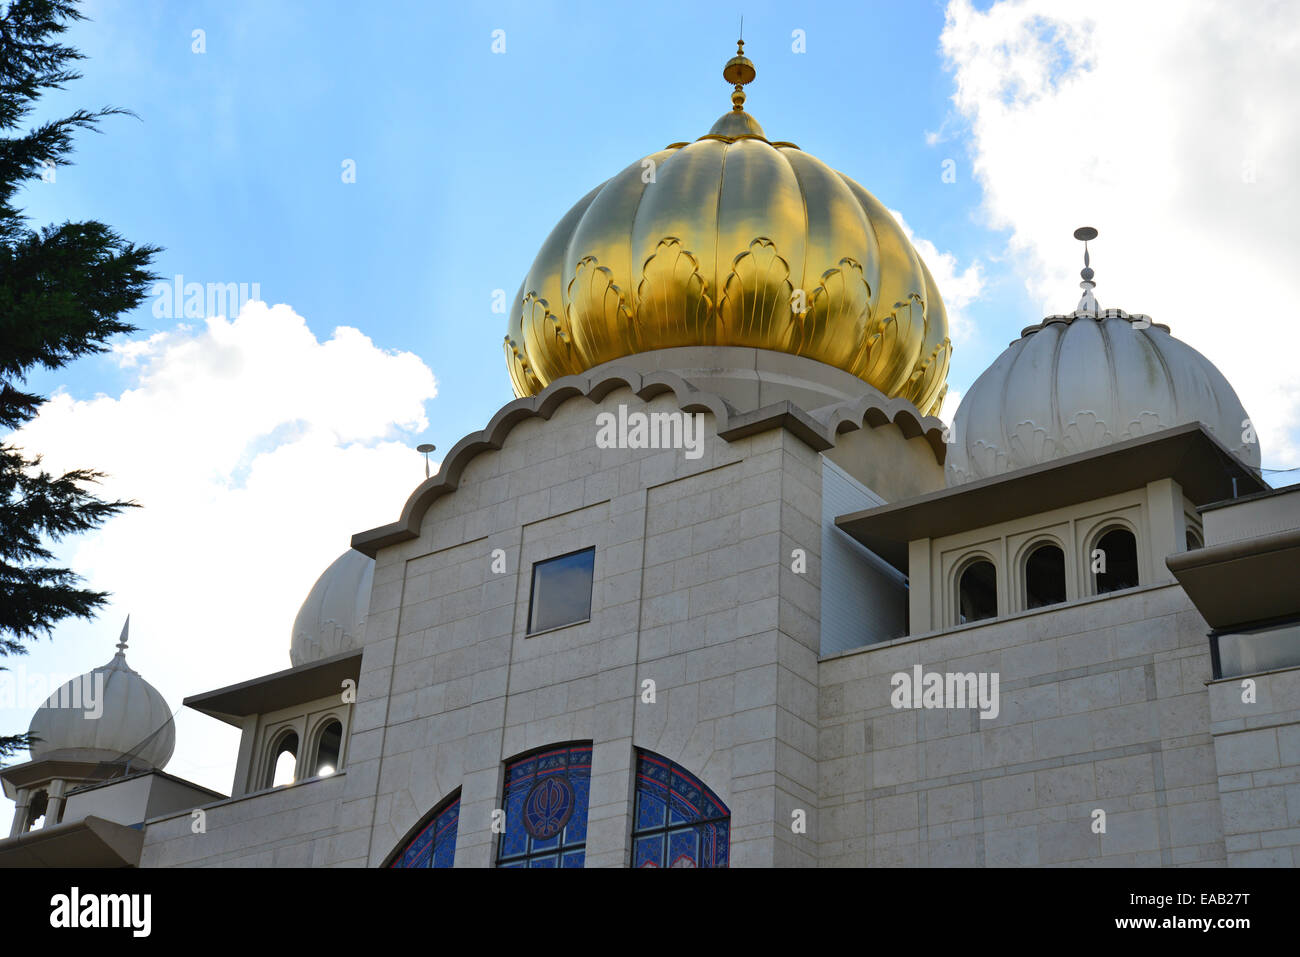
(1075, 383)
(333, 618)
(134, 716)
(732, 240)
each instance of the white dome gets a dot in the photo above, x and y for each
(333, 618)
(1077, 382)
(103, 715)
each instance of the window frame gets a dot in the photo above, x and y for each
(415, 833)
(1103, 528)
(319, 725)
(529, 631)
(524, 860)
(668, 828)
(1022, 579)
(963, 565)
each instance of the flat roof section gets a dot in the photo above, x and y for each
(279, 690)
(1241, 582)
(1188, 454)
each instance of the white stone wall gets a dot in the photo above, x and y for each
(1257, 750)
(1103, 706)
(864, 600)
(693, 590)
(297, 826)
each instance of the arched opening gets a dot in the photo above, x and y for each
(329, 744)
(977, 592)
(284, 760)
(545, 800)
(1193, 539)
(434, 841)
(677, 820)
(1115, 561)
(1044, 576)
(40, 802)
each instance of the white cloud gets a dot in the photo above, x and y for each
(958, 288)
(1173, 131)
(951, 399)
(256, 451)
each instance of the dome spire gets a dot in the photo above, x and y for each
(740, 71)
(1087, 304)
(121, 642)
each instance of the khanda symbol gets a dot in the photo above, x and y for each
(548, 807)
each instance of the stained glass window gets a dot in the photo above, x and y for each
(546, 798)
(678, 821)
(434, 845)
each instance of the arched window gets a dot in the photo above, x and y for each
(434, 843)
(1115, 561)
(545, 801)
(284, 761)
(39, 804)
(678, 822)
(329, 743)
(1044, 576)
(977, 592)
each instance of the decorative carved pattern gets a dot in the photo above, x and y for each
(1085, 431)
(755, 305)
(839, 315)
(1145, 424)
(545, 335)
(672, 296)
(521, 372)
(603, 325)
(929, 376)
(1029, 443)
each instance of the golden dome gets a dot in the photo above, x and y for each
(732, 240)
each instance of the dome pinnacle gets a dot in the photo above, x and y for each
(1087, 304)
(740, 71)
(121, 642)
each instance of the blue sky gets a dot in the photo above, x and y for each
(465, 159)
(259, 445)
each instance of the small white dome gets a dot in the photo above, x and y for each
(104, 715)
(1078, 382)
(333, 618)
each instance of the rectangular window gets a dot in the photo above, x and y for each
(561, 591)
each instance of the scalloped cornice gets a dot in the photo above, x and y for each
(819, 430)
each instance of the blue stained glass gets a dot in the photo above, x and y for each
(649, 809)
(550, 844)
(679, 822)
(546, 799)
(683, 848)
(435, 844)
(575, 832)
(515, 839)
(649, 851)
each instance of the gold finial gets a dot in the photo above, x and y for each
(739, 70)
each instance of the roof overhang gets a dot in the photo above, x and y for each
(1188, 454)
(1244, 581)
(90, 842)
(304, 683)
(38, 772)
(820, 432)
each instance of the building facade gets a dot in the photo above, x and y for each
(718, 589)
